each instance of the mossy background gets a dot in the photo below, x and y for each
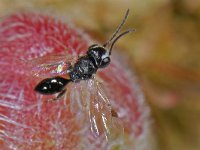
(164, 52)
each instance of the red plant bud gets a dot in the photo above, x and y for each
(27, 122)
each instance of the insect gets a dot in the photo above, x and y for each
(82, 72)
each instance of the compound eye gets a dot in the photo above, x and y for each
(93, 50)
(105, 62)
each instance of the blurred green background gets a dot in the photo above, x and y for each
(164, 53)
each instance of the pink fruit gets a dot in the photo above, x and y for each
(28, 123)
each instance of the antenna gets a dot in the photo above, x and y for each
(118, 37)
(118, 29)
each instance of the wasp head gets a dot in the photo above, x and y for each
(99, 55)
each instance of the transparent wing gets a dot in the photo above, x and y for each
(90, 101)
(49, 65)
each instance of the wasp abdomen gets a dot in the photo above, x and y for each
(51, 85)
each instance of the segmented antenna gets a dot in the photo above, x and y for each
(118, 29)
(118, 37)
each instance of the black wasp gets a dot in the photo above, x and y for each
(84, 68)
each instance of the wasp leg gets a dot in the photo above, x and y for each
(114, 113)
(59, 96)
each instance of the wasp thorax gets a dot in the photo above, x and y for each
(99, 55)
